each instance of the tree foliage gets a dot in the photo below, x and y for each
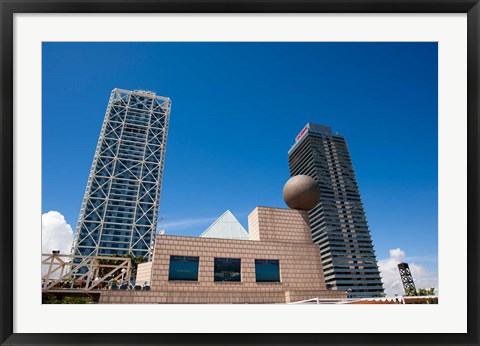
(422, 292)
(68, 300)
(426, 292)
(134, 260)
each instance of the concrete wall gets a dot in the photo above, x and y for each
(144, 271)
(279, 225)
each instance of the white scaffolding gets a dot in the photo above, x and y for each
(67, 272)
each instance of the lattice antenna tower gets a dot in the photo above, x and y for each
(407, 278)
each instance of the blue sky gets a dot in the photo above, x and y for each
(236, 109)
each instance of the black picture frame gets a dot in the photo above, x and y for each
(10, 7)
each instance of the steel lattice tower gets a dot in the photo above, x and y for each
(338, 223)
(120, 206)
(407, 278)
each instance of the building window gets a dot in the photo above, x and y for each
(183, 268)
(267, 270)
(227, 269)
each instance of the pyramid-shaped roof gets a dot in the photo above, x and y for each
(226, 227)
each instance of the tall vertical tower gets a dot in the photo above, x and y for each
(338, 222)
(120, 206)
(407, 278)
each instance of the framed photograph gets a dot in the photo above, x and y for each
(319, 185)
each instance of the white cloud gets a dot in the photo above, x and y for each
(422, 277)
(174, 225)
(57, 234)
(185, 223)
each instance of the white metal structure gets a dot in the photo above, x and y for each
(65, 271)
(120, 206)
(386, 300)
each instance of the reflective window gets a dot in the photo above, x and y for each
(183, 268)
(227, 269)
(267, 270)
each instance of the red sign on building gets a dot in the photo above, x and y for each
(300, 135)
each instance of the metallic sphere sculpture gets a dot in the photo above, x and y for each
(301, 192)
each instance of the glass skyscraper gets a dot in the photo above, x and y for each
(338, 222)
(120, 207)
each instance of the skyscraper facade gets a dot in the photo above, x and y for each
(338, 223)
(120, 207)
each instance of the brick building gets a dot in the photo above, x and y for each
(278, 263)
